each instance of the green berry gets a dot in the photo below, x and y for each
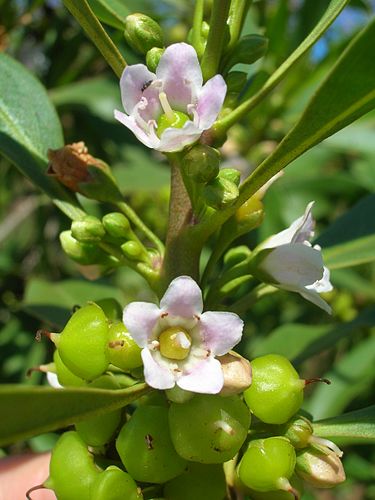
(209, 429)
(123, 351)
(276, 392)
(98, 431)
(83, 344)
(65, 377)
(198, 482)
(145, 446)
(115, 484)
(72, 468)
(268, 464)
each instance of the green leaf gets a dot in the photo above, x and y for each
(355, 427)
(28, 411)
(300, 342)
(351, 375)
(350, 240)
(347, 93)
(53, 302)
(111, 12)
(29, 126)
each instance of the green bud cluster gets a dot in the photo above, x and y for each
(143, 33)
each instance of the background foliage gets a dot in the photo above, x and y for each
(40, 286)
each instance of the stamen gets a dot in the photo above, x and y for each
(192, 110)
(166, 106)
(183, 340)
(154, 345)
(224, 426)
(329, 444)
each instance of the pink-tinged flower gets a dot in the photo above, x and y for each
(179, 342)
(170, 109)
(289, 261)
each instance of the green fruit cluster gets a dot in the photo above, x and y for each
(173, 444)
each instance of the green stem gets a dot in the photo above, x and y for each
(245, 302)
(197, 26)
(97, 34)
(215, 41)
(133, 217)
(214, 299)
(237, 14)
(182, 253)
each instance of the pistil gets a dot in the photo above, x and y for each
(166, 106)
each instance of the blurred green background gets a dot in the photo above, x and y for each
(40, 286)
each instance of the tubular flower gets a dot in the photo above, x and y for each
(179, 342)
(289, 261)
(170, 109)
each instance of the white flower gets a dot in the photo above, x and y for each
(292, 263)
(179, 341)
(177, 86)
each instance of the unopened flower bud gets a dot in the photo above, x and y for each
(201, 163)
(200, 48)
(322, 469)
(142, 33)
(235, 81)
(247, 50)
(132, 250)
(250, 215)
(221, 193)
(231, 174)
(87, 230)
(83, 253)
(298, 430)
(237, 373)
(117, 225)
(153, 57)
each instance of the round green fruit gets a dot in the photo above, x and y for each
(145, 446)
(115, 484)
(276, 391)
(123, 351)
(198, 482)
(267, 464)
(209, 429)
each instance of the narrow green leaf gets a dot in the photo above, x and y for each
(111, 12)
(27, 411)
(355, 427)
(333, 10)
(29, 126)
(350, 240)
(332, 108)
(350, 376)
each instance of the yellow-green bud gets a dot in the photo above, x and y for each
(298, 430)
(153, 57)
(117, 225)
(235, 81)
(201, 163)
(83, 253)
(175, 343)
(247, 50)
(88, 230)
(142, 33)
(132, 250)
(231, 174)
(221, 193)
(322, 469)
(200, 48)
(249, 216)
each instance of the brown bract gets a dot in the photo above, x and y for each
(69, 164)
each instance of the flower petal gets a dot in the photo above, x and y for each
(322, 285)
(314, 297)
(210, 101)
(175, 139)
(299, 231)
(181, 74)
(206, 377)
(157, 376)
(130, 123)
(140, 318)
(182, 298)
(53, 380)
(294, 264)
(132, 82)
(221, 331)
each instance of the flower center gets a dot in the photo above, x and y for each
(169, 118)
(175, 343)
